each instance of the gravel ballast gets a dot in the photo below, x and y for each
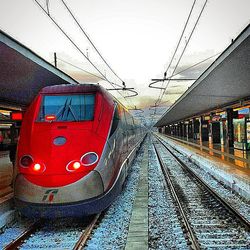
(112, 232)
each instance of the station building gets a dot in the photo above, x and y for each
(214, 112)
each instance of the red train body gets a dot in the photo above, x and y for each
(75, 146)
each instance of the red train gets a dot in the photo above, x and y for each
(74, 151)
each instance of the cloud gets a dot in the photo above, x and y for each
(144, 102)
(203, 59)
(84, 78)
(194, 72)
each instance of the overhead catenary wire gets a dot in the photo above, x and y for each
(134, 93)
(99, 77)
(176, 49)
(47, 6)
(184, 70)
(77, 47)
(87, 36)
(182, 53)
(182, 33)
(158, 101)
(196, 64)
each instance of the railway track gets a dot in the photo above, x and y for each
(207, 220)
(63, 234)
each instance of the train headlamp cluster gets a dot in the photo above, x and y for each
(38, 167)
(73, 166)
(27, 161)
(86, 160)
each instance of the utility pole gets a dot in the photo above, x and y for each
(55, 59)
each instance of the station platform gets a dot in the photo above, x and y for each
(6, 173)
(229, 166)
(240, 158)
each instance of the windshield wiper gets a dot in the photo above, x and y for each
(62, 110)
(70, 109)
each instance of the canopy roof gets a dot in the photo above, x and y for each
(226, 81)
(23, 73)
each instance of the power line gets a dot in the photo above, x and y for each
(159, 100)
(75, 45)
(80, 69)
(192, 66)
(196, 64)
(47, 6)
(134, 93)
(79, 25)
(176, 49)
(178, 44)
(187, 42)
(184, 70)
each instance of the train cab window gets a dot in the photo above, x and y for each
(67, 108)
(115, 122)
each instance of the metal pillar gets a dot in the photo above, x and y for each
(230, 127)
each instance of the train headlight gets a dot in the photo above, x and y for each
(38, 168)
(89, 158)
(26, 161)
(73, 166)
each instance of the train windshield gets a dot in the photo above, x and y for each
(67, 108)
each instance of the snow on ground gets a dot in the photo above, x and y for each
(113, 229)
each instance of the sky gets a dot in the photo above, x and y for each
(136, 37)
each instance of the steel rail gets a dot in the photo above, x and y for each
(224, 203)
(191, 235)
(86, 233)
(20, 239)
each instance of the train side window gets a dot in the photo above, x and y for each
(115, 122)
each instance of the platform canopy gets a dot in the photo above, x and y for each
(226, 81)
(23, 73)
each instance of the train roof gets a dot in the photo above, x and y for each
(79, 88)
(73, 88)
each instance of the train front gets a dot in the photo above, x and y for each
(61, 142)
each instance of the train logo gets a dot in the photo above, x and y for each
(49, 195)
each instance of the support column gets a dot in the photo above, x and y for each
(181, 129)
(230, 127)
(169, 130)
(190, 130)
(186, 127)
(196, 126)
(203, 129)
